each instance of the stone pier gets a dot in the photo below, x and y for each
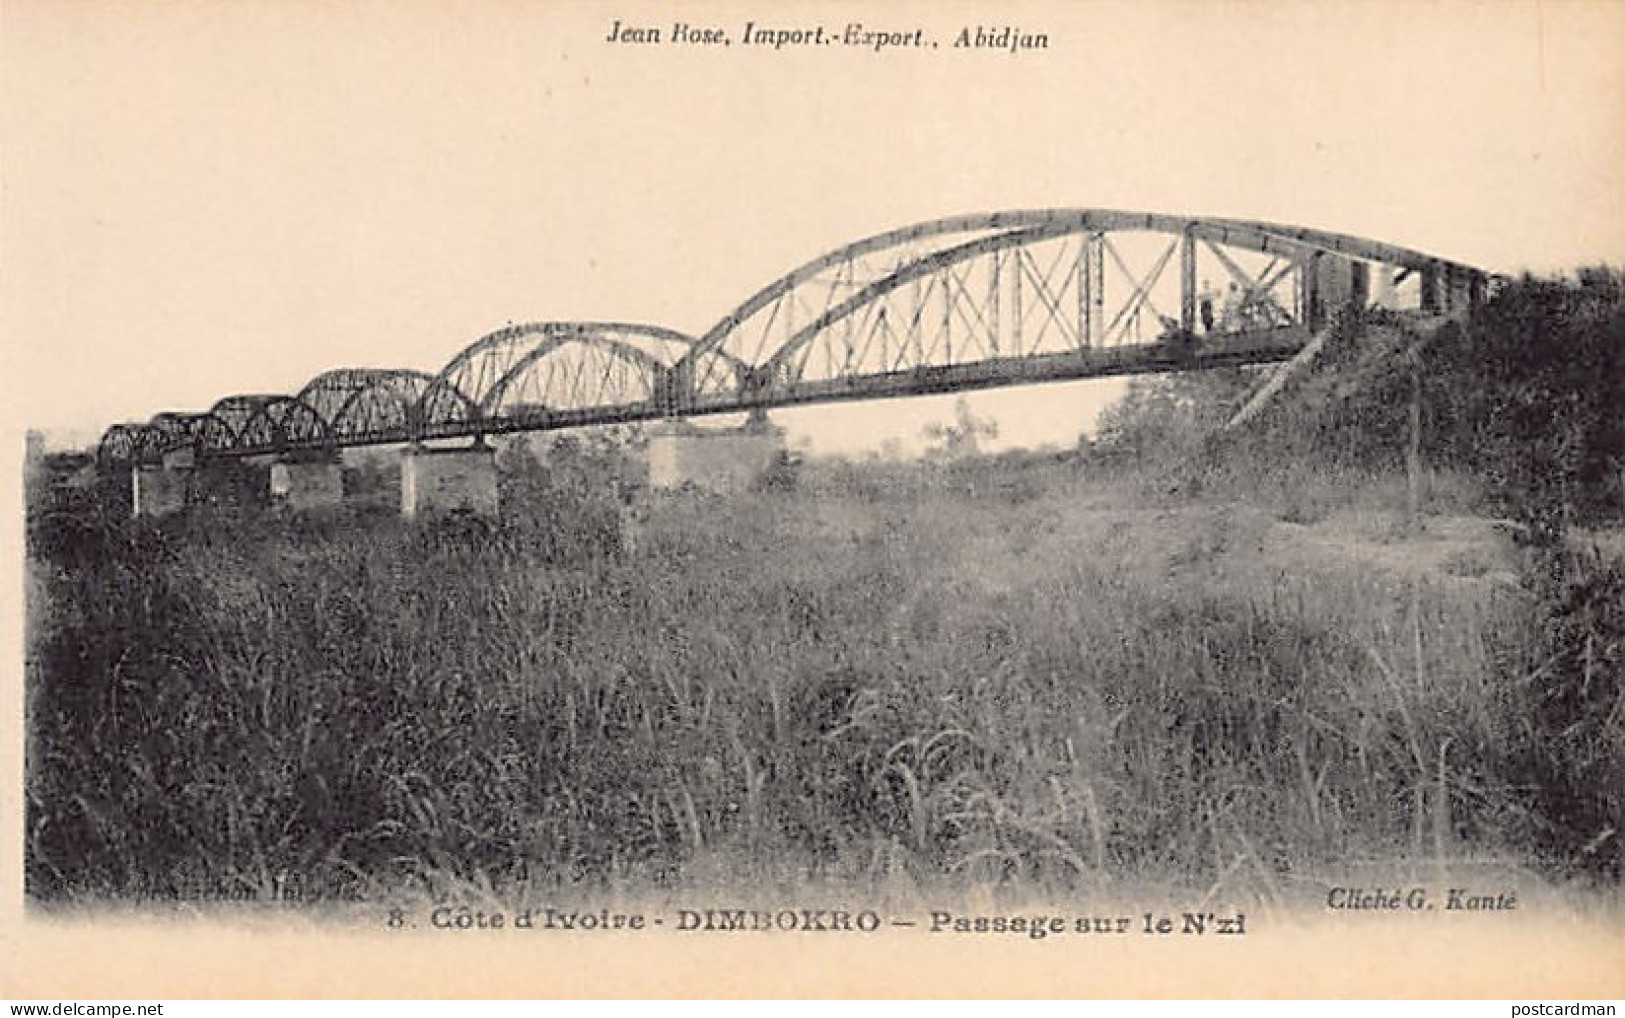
(159, 490)
(307, 484)
(231, 484)
(436, 482)
(722, 460)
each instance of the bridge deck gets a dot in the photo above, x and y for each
(1265, 346)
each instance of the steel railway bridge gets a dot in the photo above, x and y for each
(961, 303)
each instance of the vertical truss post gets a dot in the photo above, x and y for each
(1187, 281)
(679, 389)
(993, 303)
(660, 390)
(1015, 302)
(882, 323)
(1082, 268)
(1094, 289)
(915, 323)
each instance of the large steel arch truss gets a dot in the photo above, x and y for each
(1048, 293)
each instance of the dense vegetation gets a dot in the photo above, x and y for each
(1524, 402)
(1054, 674)
(1516, 413)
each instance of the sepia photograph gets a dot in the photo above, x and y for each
(571, 499)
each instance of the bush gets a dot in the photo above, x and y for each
(1528, 397)
(1567, 674)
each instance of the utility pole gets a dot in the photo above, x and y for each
(1413, 454)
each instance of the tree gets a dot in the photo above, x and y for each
(1168, 416)
(963, 437)
(1529, 394)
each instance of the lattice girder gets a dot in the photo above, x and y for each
(1072, 279)
(284, 423)
(371, 404)
(129, 444)
(236, 411)
(529, 371)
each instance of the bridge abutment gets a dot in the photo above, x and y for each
(722, 460)
(438, 482)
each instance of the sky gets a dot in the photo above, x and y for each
(205, 198)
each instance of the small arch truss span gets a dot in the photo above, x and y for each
(129, 444)
(237, 411)
(282, 424)
(375, 404)
(203, 433)
(545, 374)
(169, 432)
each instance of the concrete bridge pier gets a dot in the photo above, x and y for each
(160, 489)
(722, 460)
(438, 482)
(303, 483)
(165, 487)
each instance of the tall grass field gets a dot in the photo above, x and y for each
(1024, 680)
